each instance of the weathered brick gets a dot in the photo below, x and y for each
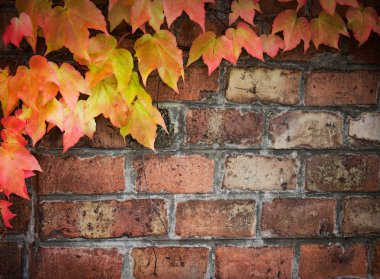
(101, 219)
(366, 127)
(306, 129)
(260, 173)
(170, 262)
(68, 263)
(361, 216)
(263, 85)
(219, 218)
(229, 126)
(174, 174)
(343, 88)
(341, 173)
(196, 87)
(23, 209)
(254, 262)
(331, 261)
(71, 174)
(376, 261)
(11, 260)
(298, 217)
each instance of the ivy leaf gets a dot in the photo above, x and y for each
(301, 3)
(272, 44)
(330, 5)
(143, 11)
(244, 36)
(294, 28)
(119, 10)
(143, 117)
(6, 213)
(68, 26)
(160, 52)
(362, 21)
(194, 8)
(212, 50)
(17, 29)
(8, 99)
(245, 9)
(326, 29)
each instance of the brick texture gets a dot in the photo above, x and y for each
(68, 263)
(187, 174)
(298, 217)
(219, 218)
(376, 261)
(366, 127)
(101, 219)
(342, 173)
(230, 126)
(263, 85)
(71, 174)
(361, 216)
(170, 262)
(322, 261)
(254, 262)
(20, 223)
(11, 260)
(260, 173)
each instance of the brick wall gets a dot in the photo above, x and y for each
(269, 170)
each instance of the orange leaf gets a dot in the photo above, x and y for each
(245, 9)
(143, 11)
(119, 10)
(160, 52)
(330, 5)
(362, 21)
(301, 3)
(194, 8)
(294, 28)
(17, 29)
(8, 99)
(6, 213)
(272, 44)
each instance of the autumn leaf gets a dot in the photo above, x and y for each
(119, 10)
(362, 21)
(9, 100)
(294, 28)
(245, 9)
(6, 213)
(301, 3)
(17, 29)
(244, 36)
(68, 26)
(143, 11)
(212, 50)
(160, 52)
(330, 5)
(326, 29)
(272, 44)
(195, 10)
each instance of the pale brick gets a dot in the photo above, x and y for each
(366, 127)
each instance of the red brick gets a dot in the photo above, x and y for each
(264, 85)
(342, 88)
(170, 262)
(174, 174)
(103, 219)
(306, 129)
(23, 209)
(260, 173)
(254, 262)
(366, 127)
(229, 126)
(298, 217)
(341, 173)
(361, 216)
(71, 174)
(219, 218)
(11, 260)
(68, 263)
(196, 87)
(376, 261)
(320, 262)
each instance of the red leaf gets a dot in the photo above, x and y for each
(330, 5)
(272, 44)
(245, 9)
(6, 213)
(17, 29)
(362, 21)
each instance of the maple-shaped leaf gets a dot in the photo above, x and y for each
(17, 29)
(294, 28)
(11, 133)
(362, 21)
(326, 29)
(143, 11)
(118, 11)
(272, 44)
(6, 213)
(195, 9)
(300, 3)
(143, 117)
(330, 5)
(9, 100)
(245, 9)
(212, 50)
(68, 26)
(160, 52)
(244, 36)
